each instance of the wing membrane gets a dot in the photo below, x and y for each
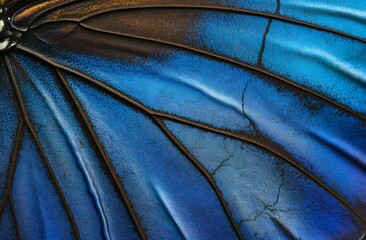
(171, 119)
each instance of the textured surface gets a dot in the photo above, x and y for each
(205, 119)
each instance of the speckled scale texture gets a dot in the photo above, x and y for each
(183, 119)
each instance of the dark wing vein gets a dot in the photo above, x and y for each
(12, 211)
(27, 15)
(40, 149)
(107, 161)
(216, 8)
(13, 160)
(260, 56)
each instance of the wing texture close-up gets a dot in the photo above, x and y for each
(183, 119)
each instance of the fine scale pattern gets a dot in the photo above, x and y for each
(170, 119)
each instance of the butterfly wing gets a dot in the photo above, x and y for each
(185, 119)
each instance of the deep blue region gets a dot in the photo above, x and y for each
(7, 224)
(37, 204)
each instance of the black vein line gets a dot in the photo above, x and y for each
(237, 63)
(240, 137)
(245, 117)
(215, 8)
(105, 158)
(12, 164)
(59, 6)
(277, 12)
(202, 169)
(14, 153)
(12, 211)
(39, 147)
(260, 55)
